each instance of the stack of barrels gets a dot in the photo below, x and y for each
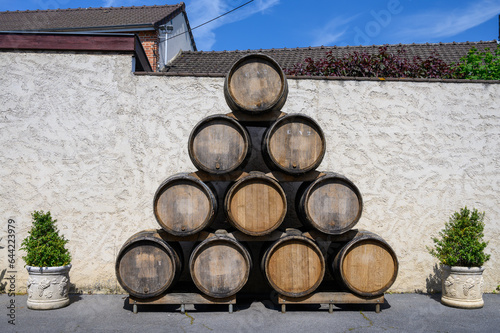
(254, 207)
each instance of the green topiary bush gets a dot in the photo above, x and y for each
(44, 246)
(461, 241)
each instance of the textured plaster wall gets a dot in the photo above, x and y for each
(90, 141)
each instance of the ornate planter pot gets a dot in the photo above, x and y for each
(462, 287)
(48, 287)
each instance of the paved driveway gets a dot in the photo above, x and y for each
(111, 313)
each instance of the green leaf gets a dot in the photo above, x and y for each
(461, 241)
(44, 246)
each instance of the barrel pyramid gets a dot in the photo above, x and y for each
(235, 215)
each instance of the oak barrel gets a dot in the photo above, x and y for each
(331, 204)
(219, 144)
(294, 265)
(294, 144)
(256, 204)
(147, 265)
(255, 84)
(184, 205)
(220, 266)
(366, 265)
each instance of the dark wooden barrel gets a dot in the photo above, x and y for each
(294, 144)
(256, 204)
(147, 265)
(220, 266)
(255, 84)
(219, 144)
(184, 205)
(294, 265)
(366, 265)
(331, 204)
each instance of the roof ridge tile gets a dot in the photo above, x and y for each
(87, 8)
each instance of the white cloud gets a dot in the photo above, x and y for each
(201, 11)
(332, 31)
(438, 24)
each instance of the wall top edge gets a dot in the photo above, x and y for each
(334, 78)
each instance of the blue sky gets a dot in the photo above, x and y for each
(292, 23)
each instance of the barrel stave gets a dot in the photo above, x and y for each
(184, 205)
(255, 84)
(220, 266)
(331, 204)
(366, 265)
(147, 265)
(256, 204)
(219, 144)
(294, 144)
(294, 265)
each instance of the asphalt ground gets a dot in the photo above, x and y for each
(112, 313)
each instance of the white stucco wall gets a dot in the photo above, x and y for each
(90, 141)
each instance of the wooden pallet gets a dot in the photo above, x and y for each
(182, 299)
(330, 298)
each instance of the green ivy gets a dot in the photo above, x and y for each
(461, 241)
(477, 65)
(44, 246)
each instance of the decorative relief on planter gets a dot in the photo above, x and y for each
(48, 287)
(63, 290)
(450, 289)
(468, 285)
(463, 286)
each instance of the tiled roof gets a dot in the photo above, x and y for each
(220, 62)
(73, 19)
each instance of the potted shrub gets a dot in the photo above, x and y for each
(460, 250)
(48, 264)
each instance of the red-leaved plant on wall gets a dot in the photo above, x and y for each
(382, 64)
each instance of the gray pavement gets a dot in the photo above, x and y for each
(111, 313)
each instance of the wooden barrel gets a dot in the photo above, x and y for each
(294, 144)
(255, 84)
(147, 265)
(219, 144)
(331, 204)
(366, 265)
(294, 265)
(184, 205)
(220, 266)
(256, 204)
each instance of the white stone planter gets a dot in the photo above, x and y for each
(462, 286)
(48, 287)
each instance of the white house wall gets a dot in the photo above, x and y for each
(90, 141)
(183, 39)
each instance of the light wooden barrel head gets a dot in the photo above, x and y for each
(295, 267)
(295, 144)
(219, 268)
(184, 205)
(255, 84)
(218, 145)
(256, 205)
(183, 208)
(333, 205)
(145, 269)
(369, 267)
